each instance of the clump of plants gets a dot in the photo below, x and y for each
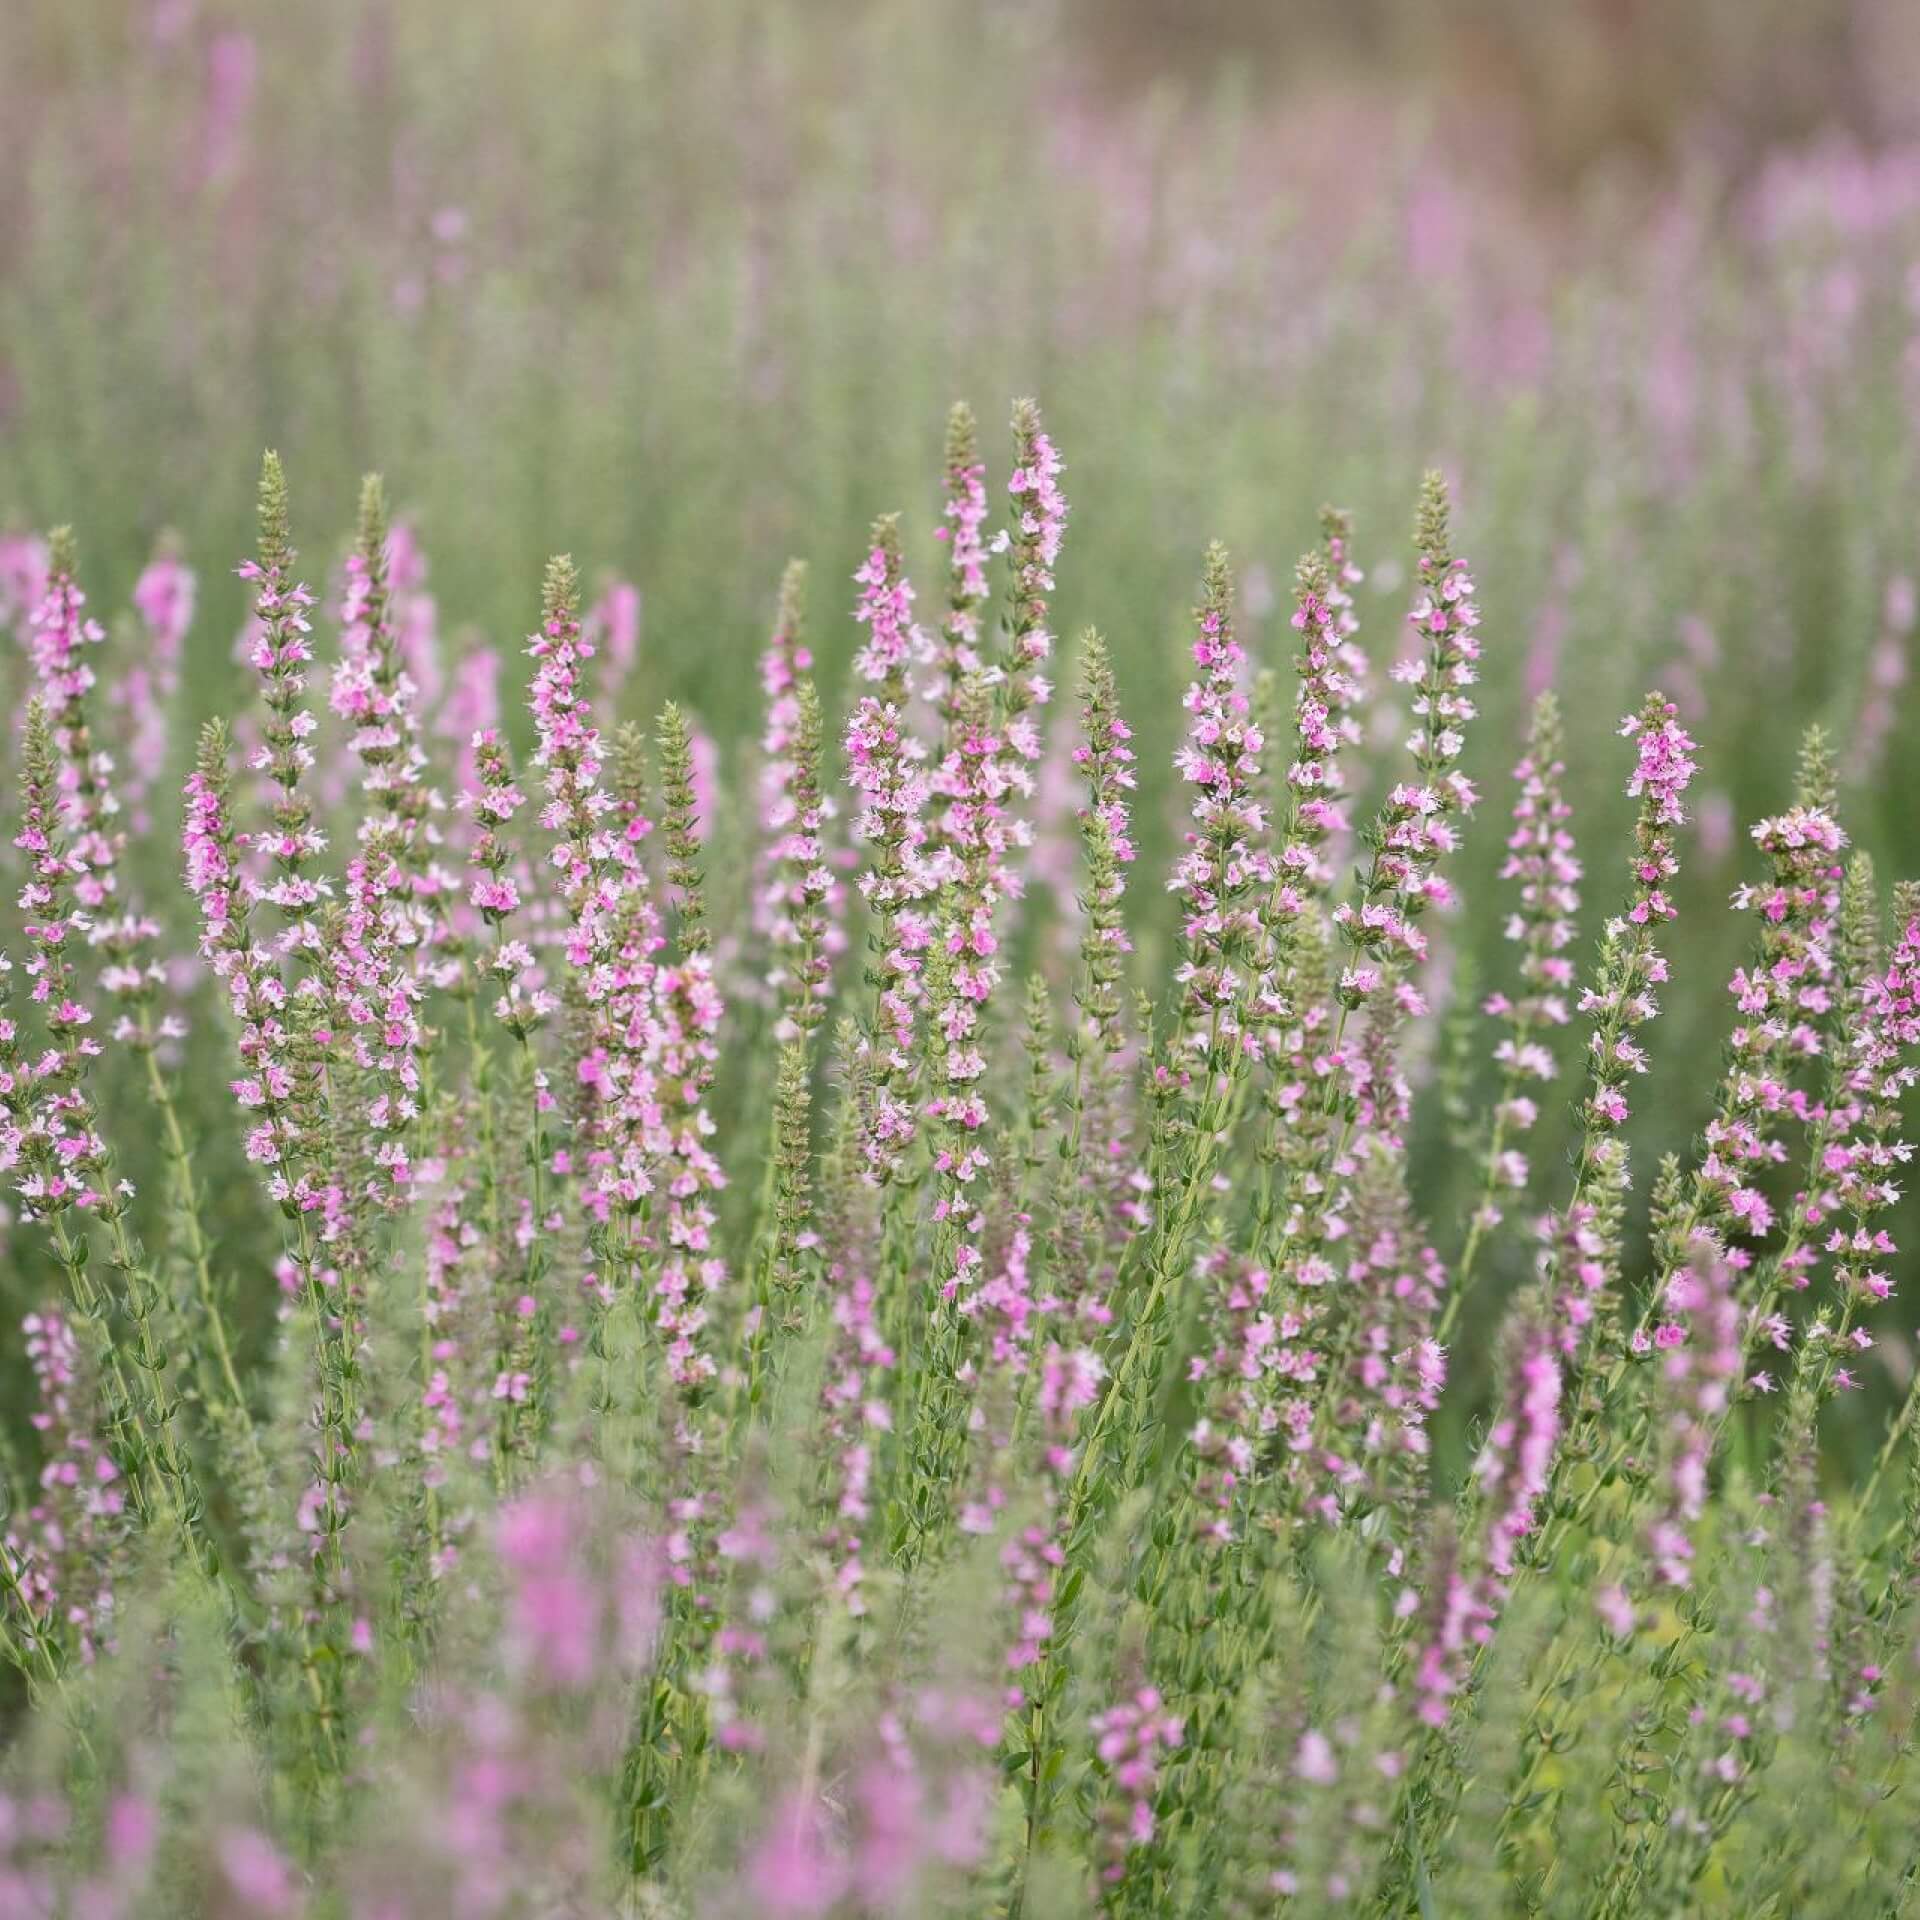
(669, 1379)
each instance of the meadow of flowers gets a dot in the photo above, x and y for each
(1044, 1216)
(1021, 1499)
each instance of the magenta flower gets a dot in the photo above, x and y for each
(1455, 1620)
(857, 1413)
(1665, 766)
(23, 577)
(64, 1550)
(163, 597)
(1701, 1348)
(1514, 1468)
(1779, 1001)
(612, 629)
(1131, 1739)
(894, 642)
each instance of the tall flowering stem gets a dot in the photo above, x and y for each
(1327, 691)
(1799, 911)
(1830, 1119)
(1086, 1226)
(1335, 1094)
(1778, 1000)
(958, 654)
(279, 996)
(283, 1001)
(61, 640)
(1415, 827)
(1218, 880)
(523, 1003)
(1414, 830)
(887, 768)
(1297, 1147)
(1514, 1467)
(1621, 999)
(855, 1402)
(589, 860)
(60, 1559)
(1032, 544)
(689, 1008)
(1132, 1739)
(800, 901)
(798, 892)
(588, 852)
(969, 788)
(1896, 1021)
(1540, 856)
(391, 884)
(789, 1266)
(1468, 1587)
(1382, 1388)
(622, 1137)
(61, 643)
(280, 651)
(48, 1138)
(1581, 1256)
(1698, 1341)
(1088, 1222)
(69, 1177)
(687, 1269)
(125, 936)
(114, 925)
(1876, 1062)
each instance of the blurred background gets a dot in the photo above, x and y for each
(687, 286)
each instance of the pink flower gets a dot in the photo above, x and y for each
(1665, 766)
(1516, 1464)
(1130, 1740)
(256, 1874)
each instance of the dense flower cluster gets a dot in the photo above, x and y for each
(1540, 857)
(1416, 825)
(1220, 877)
(984, 1446)
(1323, 725)
(887, 766)
(1621, 1000)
